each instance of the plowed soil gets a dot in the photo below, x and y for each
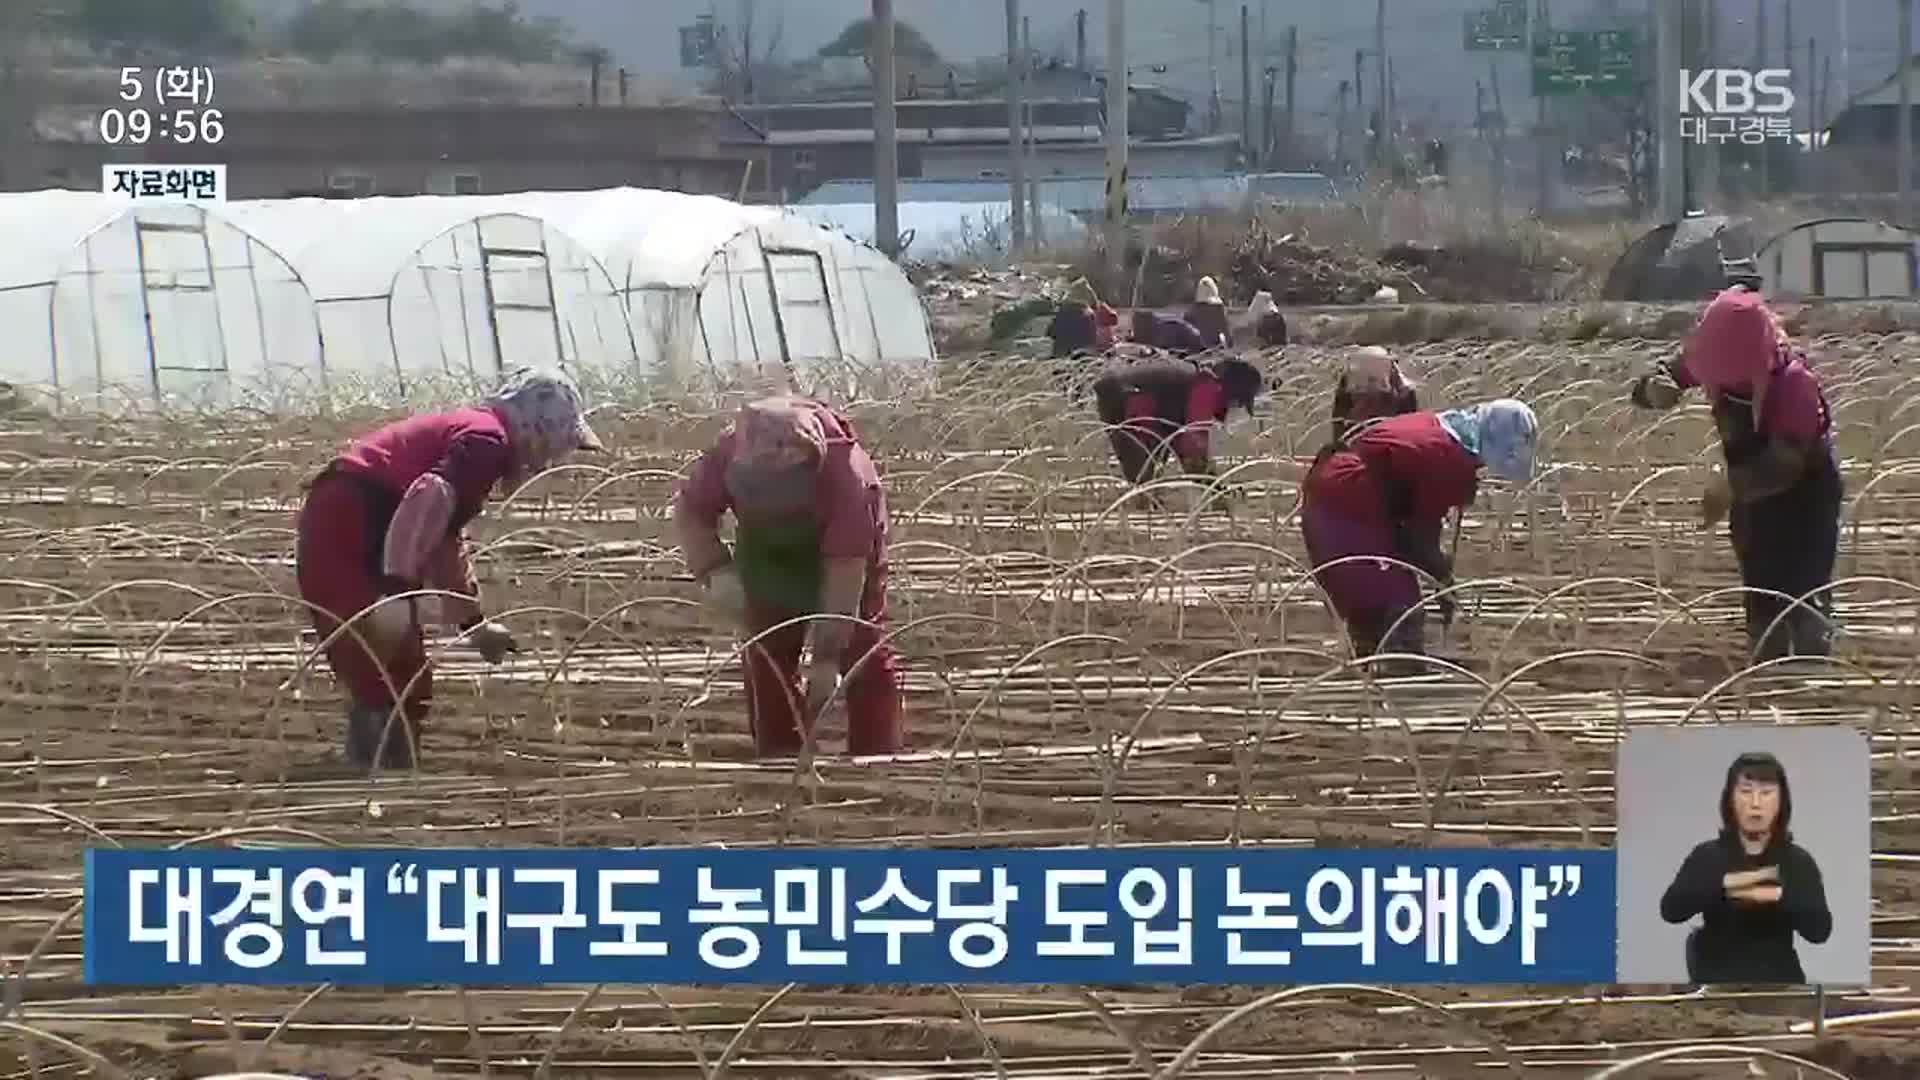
(1044, 622)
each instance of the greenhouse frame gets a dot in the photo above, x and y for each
(268, 302)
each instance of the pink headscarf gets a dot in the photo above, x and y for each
(1736, 346)
(780, 445)
(776, 431)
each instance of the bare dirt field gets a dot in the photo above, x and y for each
(1081, 669)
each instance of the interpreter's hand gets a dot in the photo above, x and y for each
(1715, 501)
(1656, 391)
(725, 593)
(492, 640)
(1756, 894)
(823, 678)
(1747, 879)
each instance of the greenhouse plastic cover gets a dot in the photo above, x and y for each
(644, 238)
(313, 289)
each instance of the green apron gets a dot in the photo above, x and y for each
(779, 564)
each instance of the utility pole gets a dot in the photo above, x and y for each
(1261, 162)
(1016, 156)
(1293, 69)
(1381, 100)
(1759, 61)
(1793, 71)
(1117, 137)
(1213, 67)
(886, 161)
(1032, 148)
(1706, 53)
(1080, 41)
(1499, 146)
(1846, 61)
(1813, 95)
(1672, 153)
(1904, 126)
(1340, 129)
(1246, 86)
(1359, 105)
(1545, 143)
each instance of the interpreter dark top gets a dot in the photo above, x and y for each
(1431, 471)
(1748, 943)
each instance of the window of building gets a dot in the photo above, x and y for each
(351, 183)
(466, 183)
(803, 161)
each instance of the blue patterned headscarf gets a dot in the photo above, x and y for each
(1502, 434)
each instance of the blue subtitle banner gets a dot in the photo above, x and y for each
(834, 916)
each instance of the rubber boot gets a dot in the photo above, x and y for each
(363, 734)
(1778, 643)
(364, 730)
(1812, 631)
(1364, 635)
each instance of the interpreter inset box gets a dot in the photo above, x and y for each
(1744, 855)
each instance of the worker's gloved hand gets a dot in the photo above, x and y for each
(725, 593)
(1656, 391)
(823, 678)
(1715, 501)
(492, 640)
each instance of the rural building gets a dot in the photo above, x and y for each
(1858, 154)
(1085, 196)
(1841, 258)
(467, 149)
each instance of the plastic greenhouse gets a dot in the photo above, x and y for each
(111, 303)
(620, 281)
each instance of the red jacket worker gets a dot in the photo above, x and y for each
(1385, 491)
(810, 537)
(386, 517)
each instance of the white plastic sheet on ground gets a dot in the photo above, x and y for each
(624, 282)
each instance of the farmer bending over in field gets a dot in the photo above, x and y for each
(1170, 333)
(1385, 490)
(385, 517)
(810, 537)
(1208, 314)
(1780, 488)
(1371, 386)
(1082, 323)
(1264, 318)
(1149, 404)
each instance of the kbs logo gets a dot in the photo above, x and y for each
(1736, 91)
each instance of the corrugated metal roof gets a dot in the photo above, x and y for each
(1087, 194)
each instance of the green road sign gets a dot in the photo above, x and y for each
(1485, 34)
(1498, 29)
(1584, 62)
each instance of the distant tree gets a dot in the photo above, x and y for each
(909, 44)
(746, 53)
(209, 26)
(395, 30)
